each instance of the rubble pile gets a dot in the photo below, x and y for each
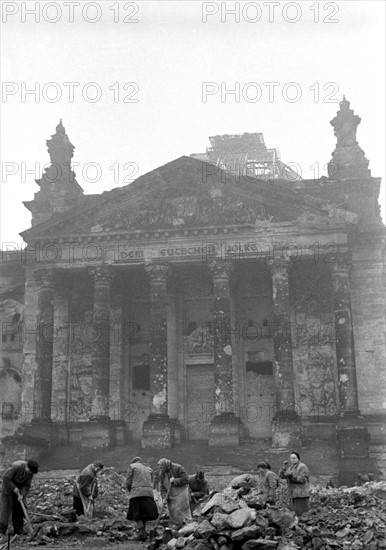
(343, 518)
(53, 495)
(50, 502)
(232, 519)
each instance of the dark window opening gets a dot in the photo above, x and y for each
(141, 377)
(260, 367)
(8, 411)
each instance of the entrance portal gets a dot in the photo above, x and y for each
(260, 402)
(200, 399)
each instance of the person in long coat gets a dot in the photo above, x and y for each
(16, 484)
(297, 476)
(173, 476)
(142, 506)
(269, 482)
(87, 484)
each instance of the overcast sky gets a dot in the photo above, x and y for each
(167, 52)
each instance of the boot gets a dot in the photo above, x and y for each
(141, 536)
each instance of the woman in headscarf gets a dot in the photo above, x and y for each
(297, 476)
(142, 507)
(174, 479)
(269, 482)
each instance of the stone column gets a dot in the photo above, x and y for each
(286, 423)
(225, 426)
(116, 358)
(60, 373)
(44, 343)
(101, 342)
(352, 432)
(157, 430)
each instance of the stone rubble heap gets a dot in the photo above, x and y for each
(343, 518)
(233, 519)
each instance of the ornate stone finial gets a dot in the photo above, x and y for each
(344, 104)
(345, 125)
(60, 128)
(348, 160)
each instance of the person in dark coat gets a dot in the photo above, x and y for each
(297, 476)
(173, 476)
(142, 506)
(87, 483)
(198, 485)
(269, 482)
(16, 484)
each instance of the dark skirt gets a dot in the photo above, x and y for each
(301, 505)
(77, 505)
(143, 508)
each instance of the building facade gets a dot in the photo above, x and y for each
(219, 297)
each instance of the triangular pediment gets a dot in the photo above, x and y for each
(185, 193)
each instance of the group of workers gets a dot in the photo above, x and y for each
(180, 491)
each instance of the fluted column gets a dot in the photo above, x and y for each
(353, 435)
(60, 352)
(282, 341)
(157, 429)
(345, 352)
(286, 425)
(101, 276)
(223, 379)
(225, 427)
(44, 343)
(158, 344)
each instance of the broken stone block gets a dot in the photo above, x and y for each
(186, 530)
(260, 544)
(220, 521)
(181, 541)
(250, 532)
(254, 499)
(223, 501)
(282, 518)
(171, 544)
(198, 544)
(287, 545)
(204, 529)
(240, 518)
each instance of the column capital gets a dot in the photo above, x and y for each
(221, 269)
(158, 273)
(281, 263)
(101, 274)
(45, 278)
(342, 264)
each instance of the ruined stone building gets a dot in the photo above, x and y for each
(220, 297)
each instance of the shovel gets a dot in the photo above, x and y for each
(153, 532)
(89, 511)
(86, 505)
(7, 545)
(29, 526)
